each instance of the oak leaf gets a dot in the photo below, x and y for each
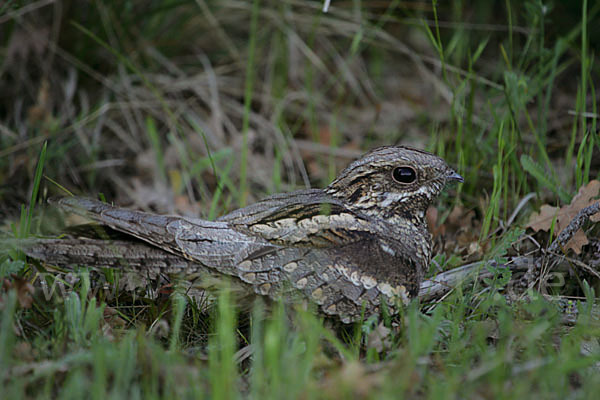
(542, 221)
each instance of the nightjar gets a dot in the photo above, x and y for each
(360, 242)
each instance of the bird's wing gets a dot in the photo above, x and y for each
(213, 244)
(306, 218)
(280, 205)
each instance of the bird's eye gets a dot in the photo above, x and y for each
(404, 175)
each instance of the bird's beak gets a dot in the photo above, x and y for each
(454, 176)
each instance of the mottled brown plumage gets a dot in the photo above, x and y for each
(360, 241)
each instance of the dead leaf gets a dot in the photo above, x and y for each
(40, 112)
(23, 352)
(542, 221)
(379, 338)
(474, 249)
(25, 291)
(585, 198)
(23, 287)
(352, 380)
(184, 206)
(111, 321)
(460, 232)
(167, 289)
(461, 218)
(111, 316)
(432, 216)
(160, 328)
(130, 281)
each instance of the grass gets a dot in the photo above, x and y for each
(198, 107)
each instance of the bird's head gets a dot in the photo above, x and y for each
(393, 181)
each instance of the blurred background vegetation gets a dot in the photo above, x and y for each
(199, 107)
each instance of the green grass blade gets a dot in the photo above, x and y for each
(535, 170)
(36, 187)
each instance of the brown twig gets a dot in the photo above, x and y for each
(576, 223)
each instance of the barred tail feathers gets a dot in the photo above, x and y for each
(130, 255)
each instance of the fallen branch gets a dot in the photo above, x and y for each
(448, 280)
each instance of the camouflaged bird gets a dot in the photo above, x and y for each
(348, 247)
